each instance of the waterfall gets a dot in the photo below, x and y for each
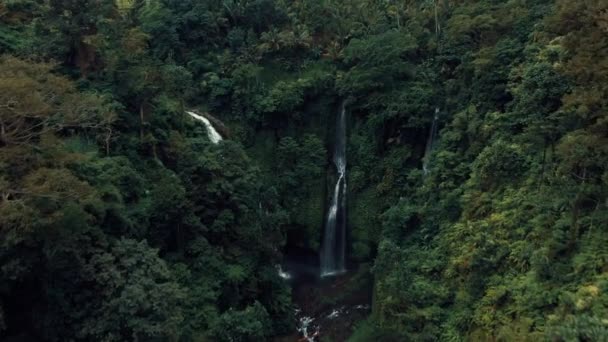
(426, 160)
(213, 135)
(333, 250)
(283, 274)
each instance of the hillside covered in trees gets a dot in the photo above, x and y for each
(474, 178)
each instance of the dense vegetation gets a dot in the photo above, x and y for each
(120, 220)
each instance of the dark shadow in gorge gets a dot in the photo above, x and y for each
(335, 304)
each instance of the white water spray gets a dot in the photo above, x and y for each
(282, 273)
(426, 160)
(310, 327)
(306, 328)
(213, 135)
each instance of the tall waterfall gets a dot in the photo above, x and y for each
(213, 135)
(426, 160)
(333, 250)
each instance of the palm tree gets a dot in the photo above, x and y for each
(271, 40)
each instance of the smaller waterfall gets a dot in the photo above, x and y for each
(213, 135)
(426, 160)
(333, 251)
(282, 273)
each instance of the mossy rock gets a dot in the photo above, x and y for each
(364, 209)
(262, 151)
(311, 214)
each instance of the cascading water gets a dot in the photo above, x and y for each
(426, 160)
(333, 250)
(283, 274)
(316, 326)
(213, 135)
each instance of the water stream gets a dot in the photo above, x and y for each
(318, 319)
(213, 135)
(283, 274)
(312, 327)
(333, 248)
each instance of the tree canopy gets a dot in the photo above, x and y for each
(477, 167)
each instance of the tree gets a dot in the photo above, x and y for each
(132, 294)
(63, 30)
(251, 324)
(34, 102)
(376, 62)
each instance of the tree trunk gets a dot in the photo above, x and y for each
(180, 239)
(576, 210)
(2, 134)
(154, 153)
(141, 121)
(107, 141)
(542, 171)
(182, 116)
(436, 21)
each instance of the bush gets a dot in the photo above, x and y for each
(252, 324)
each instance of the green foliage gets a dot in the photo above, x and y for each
(301, 166)
(77, 222)
(584, 328)
(363, 208)
(368, 331)
(499, 238)
(136, 294)
(508, 212)
(499, 163)
(375, 62)
(251, 324)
